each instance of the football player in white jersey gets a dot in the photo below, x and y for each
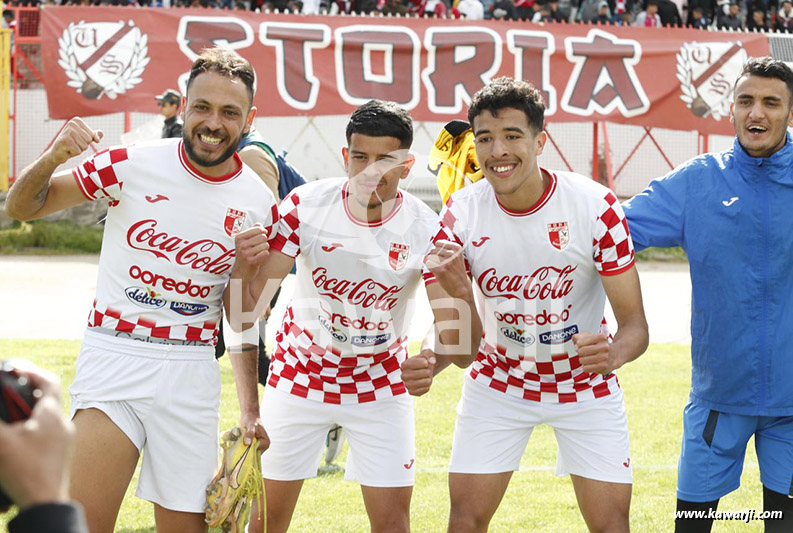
(545, 249)
(146, 380)
(360, 244)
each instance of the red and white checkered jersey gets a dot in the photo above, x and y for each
(344, 334)
(168, 245)
(537, 275)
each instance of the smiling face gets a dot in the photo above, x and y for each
(217, 111)
(507, 149)
(761, 113)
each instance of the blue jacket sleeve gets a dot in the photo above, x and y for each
(656, 216)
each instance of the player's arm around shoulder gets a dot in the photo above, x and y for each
(595, 353)
(37, 193)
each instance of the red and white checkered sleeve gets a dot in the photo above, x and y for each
(287, 238)
(611, 243)
(98, 176)
(445, 233)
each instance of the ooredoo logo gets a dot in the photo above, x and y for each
(542, 318)
(143, 297)
(169, 284)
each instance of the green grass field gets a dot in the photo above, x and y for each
(656, 389)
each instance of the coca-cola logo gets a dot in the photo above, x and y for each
(545, 283)
(203, 254)
(366, 293)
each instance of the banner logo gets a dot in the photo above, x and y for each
(707, 72)
(103, 58)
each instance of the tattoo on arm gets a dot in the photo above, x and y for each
(41, 196)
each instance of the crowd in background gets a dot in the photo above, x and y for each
(760, 15)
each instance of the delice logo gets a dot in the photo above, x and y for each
(145, 298)
(558, 336)
(370, 340)
(337, 334)
(188, 309)
(518, 336)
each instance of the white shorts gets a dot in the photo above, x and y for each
(381, 436)
(166, 399)
(493, 428)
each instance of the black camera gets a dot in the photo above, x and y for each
(17, 398)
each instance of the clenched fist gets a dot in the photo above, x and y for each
(251, 249)
(417, 372)
(594, 353)
(74, 139)
(446, 263)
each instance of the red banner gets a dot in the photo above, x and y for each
(105, 60)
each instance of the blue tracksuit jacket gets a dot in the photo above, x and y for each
(733, 215)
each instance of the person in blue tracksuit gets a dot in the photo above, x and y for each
(732, 212)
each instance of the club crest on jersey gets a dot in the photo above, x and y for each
(233, 222)
(559, 235)
(103, 58)
(398, 255)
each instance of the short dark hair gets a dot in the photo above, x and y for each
(506, 92)
(223, 62)
(768, 67)
(380, 118)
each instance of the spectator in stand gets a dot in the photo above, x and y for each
(504, 10)
(471, 9)
(394, 8)
(705, 10)
(524, 9)
(732, 20)
(434, 8)
(603, 16)
(587, 10)
(698, 19)
(784, 17)
(623, 19)
(649, 17)
(557, 13)
(669, 14)
(722, 8)
(758, 21)
(543, 13)
(341, 7)
(618, 7)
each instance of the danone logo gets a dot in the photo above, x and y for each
(144, 297)
(188, 309)
(103, 58)
(558, 336)
(518, 336)
(370, 340)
